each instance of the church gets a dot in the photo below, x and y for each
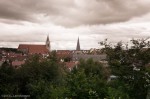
(31, 49)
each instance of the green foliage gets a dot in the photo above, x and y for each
(117, 89)
(129, 65)
(67, 59)
(39, 75)
(38, 78)
(87, 81)
(7, 79)
(53, 56)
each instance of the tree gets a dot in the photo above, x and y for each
(8, 84)
(129, 65)
(38, 76)
(87, 81)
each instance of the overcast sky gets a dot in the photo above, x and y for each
(30, 21)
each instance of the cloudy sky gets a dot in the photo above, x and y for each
(30, 21)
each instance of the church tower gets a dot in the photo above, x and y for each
(78, 45)
(48, 43)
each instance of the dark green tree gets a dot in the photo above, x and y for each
(37, 77)
(86, 81)
(8, 84)
(129, 65)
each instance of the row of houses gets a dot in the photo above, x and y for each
(69, 57)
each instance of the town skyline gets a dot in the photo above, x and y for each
(66, 20)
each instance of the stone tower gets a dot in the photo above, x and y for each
(78, 45)
(48, 43)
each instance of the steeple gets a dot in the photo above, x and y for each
(78, 45)
(48, 43)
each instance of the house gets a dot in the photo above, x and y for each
(64, 54)
(77, 57)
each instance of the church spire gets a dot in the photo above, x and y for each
(48, 43)
(78, 45)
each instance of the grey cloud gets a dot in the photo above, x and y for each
(12, 10)
(29, 9)
(73, 12)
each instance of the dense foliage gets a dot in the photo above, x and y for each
(131, 66)
(50, 79)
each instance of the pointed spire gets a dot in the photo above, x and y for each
(48, 43)
(47, 38)
(78, 45)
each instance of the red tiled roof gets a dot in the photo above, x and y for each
(17, 63)
(34, 49)
(64, 52)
